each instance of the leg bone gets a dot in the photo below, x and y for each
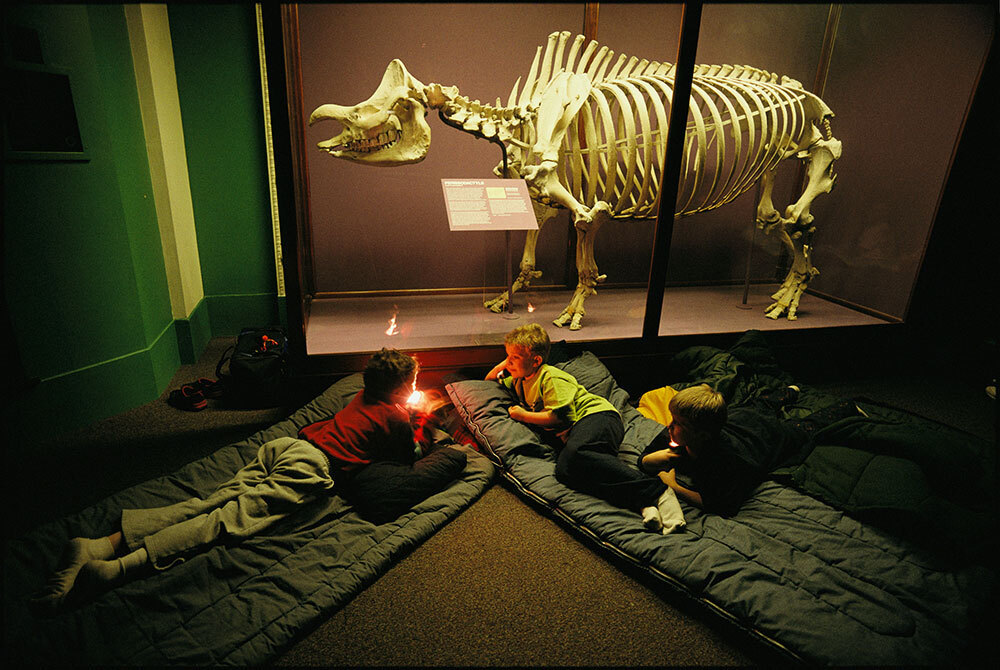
(797, 229)
(586, 230)
(528, 272)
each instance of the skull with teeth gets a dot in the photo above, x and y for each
(386, 129)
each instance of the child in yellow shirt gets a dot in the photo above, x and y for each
(589, 425)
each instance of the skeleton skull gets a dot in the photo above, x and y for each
(386, 129)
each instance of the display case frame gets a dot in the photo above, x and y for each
(280, 27)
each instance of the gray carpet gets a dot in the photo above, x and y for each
(499, 585)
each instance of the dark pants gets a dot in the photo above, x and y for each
(589, 463)
(384, 490)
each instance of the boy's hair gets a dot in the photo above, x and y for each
(702, 407)
(385, 372)
(532, 337)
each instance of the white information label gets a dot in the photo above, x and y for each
(488, 204)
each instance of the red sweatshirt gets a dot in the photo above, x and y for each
(364, 433)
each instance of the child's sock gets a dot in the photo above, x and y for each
(79, 551)
(651, 518)
(671, 514)
(98, 575)
(133, 561)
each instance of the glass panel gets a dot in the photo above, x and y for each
(381, 240)
(870, 232)
(388, 271)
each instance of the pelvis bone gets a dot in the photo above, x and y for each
(588, 132)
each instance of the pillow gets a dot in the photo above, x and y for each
(483, 406)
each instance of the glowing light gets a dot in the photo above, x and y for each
(416, 398)
(531, 308)
(392, 329)
(674, 444)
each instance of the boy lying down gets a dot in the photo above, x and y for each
(368, 450)
(589, 427)
(713, 456)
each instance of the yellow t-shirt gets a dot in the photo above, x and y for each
(655, 405)
(553, 389)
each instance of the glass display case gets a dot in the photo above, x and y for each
(376, 264)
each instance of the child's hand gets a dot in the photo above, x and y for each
(498, 370)
(517, 412)
(668, 477)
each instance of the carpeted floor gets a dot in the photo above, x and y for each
(499, 585)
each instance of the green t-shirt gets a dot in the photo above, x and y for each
(553, 389)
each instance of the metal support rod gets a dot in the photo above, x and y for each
(753, 234)
(686, 52)
(819, 88)
(591, 12)
(509, 309)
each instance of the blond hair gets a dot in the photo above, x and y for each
(702, 407)
(531, 337)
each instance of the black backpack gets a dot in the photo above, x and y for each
(257, 368)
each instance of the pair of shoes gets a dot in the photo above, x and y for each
(208, 387)
(188, 397)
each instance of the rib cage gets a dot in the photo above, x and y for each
(741, 122)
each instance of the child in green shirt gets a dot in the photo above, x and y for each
(589, 426)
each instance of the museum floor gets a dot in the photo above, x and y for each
(351, 325)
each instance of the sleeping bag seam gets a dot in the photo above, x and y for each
(407, 541)
(234, 588)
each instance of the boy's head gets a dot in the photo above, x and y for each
(527, 349)
(389, 373)
(697, 416)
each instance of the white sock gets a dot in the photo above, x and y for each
(96, 576)
(651, 518)
(133, 561)
(78, 552)
(671, 514)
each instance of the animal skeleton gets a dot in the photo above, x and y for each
(588, 134)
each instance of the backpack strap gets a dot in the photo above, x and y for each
(226, 355)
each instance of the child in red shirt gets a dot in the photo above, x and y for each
(366, 453)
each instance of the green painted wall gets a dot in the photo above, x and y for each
(84, 278)
(218, 79)
(83, 266)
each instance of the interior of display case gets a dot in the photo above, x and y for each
(372, 262)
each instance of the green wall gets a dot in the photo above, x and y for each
(218, 80)
(85, 283)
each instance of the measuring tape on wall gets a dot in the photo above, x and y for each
(279, 272)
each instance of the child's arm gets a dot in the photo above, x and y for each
(655, 461)
(495, 372)
(544, 419)
(669, 478)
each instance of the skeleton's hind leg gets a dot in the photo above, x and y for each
(528, 272)
(797, 230)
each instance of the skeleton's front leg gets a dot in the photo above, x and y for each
(528, 272)
(586, 230)
(544, 184)
(797, 229)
